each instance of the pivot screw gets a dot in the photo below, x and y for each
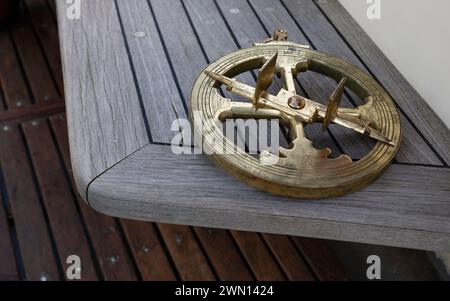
(296, 102)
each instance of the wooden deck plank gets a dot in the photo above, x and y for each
(150, 256)
(223, 254)
(364, 216)
(290, 260)
(157, 88)
(30, 221)
(189, 259)
(183, 48)
(98, 83)
(324, 37)
(44, 25)
(322, 260)
(413, 105)
(110, 249)
(258, 256)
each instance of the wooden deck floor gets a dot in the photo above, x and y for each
(42, 219)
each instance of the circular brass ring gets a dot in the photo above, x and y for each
(318, 182)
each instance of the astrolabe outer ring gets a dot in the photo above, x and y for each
(279, 180)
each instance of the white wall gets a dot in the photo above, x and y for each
(415, 36)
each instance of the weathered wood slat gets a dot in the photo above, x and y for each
(183, 48)
(113, 258)
(324, 37)
(414, 106)
(158, 90)
(43, 86)
(189, 259)
(104, 112)
(151, 260)
(383, 213)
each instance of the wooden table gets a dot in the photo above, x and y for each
(122, 62)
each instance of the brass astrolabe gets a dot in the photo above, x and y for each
(300, 170)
